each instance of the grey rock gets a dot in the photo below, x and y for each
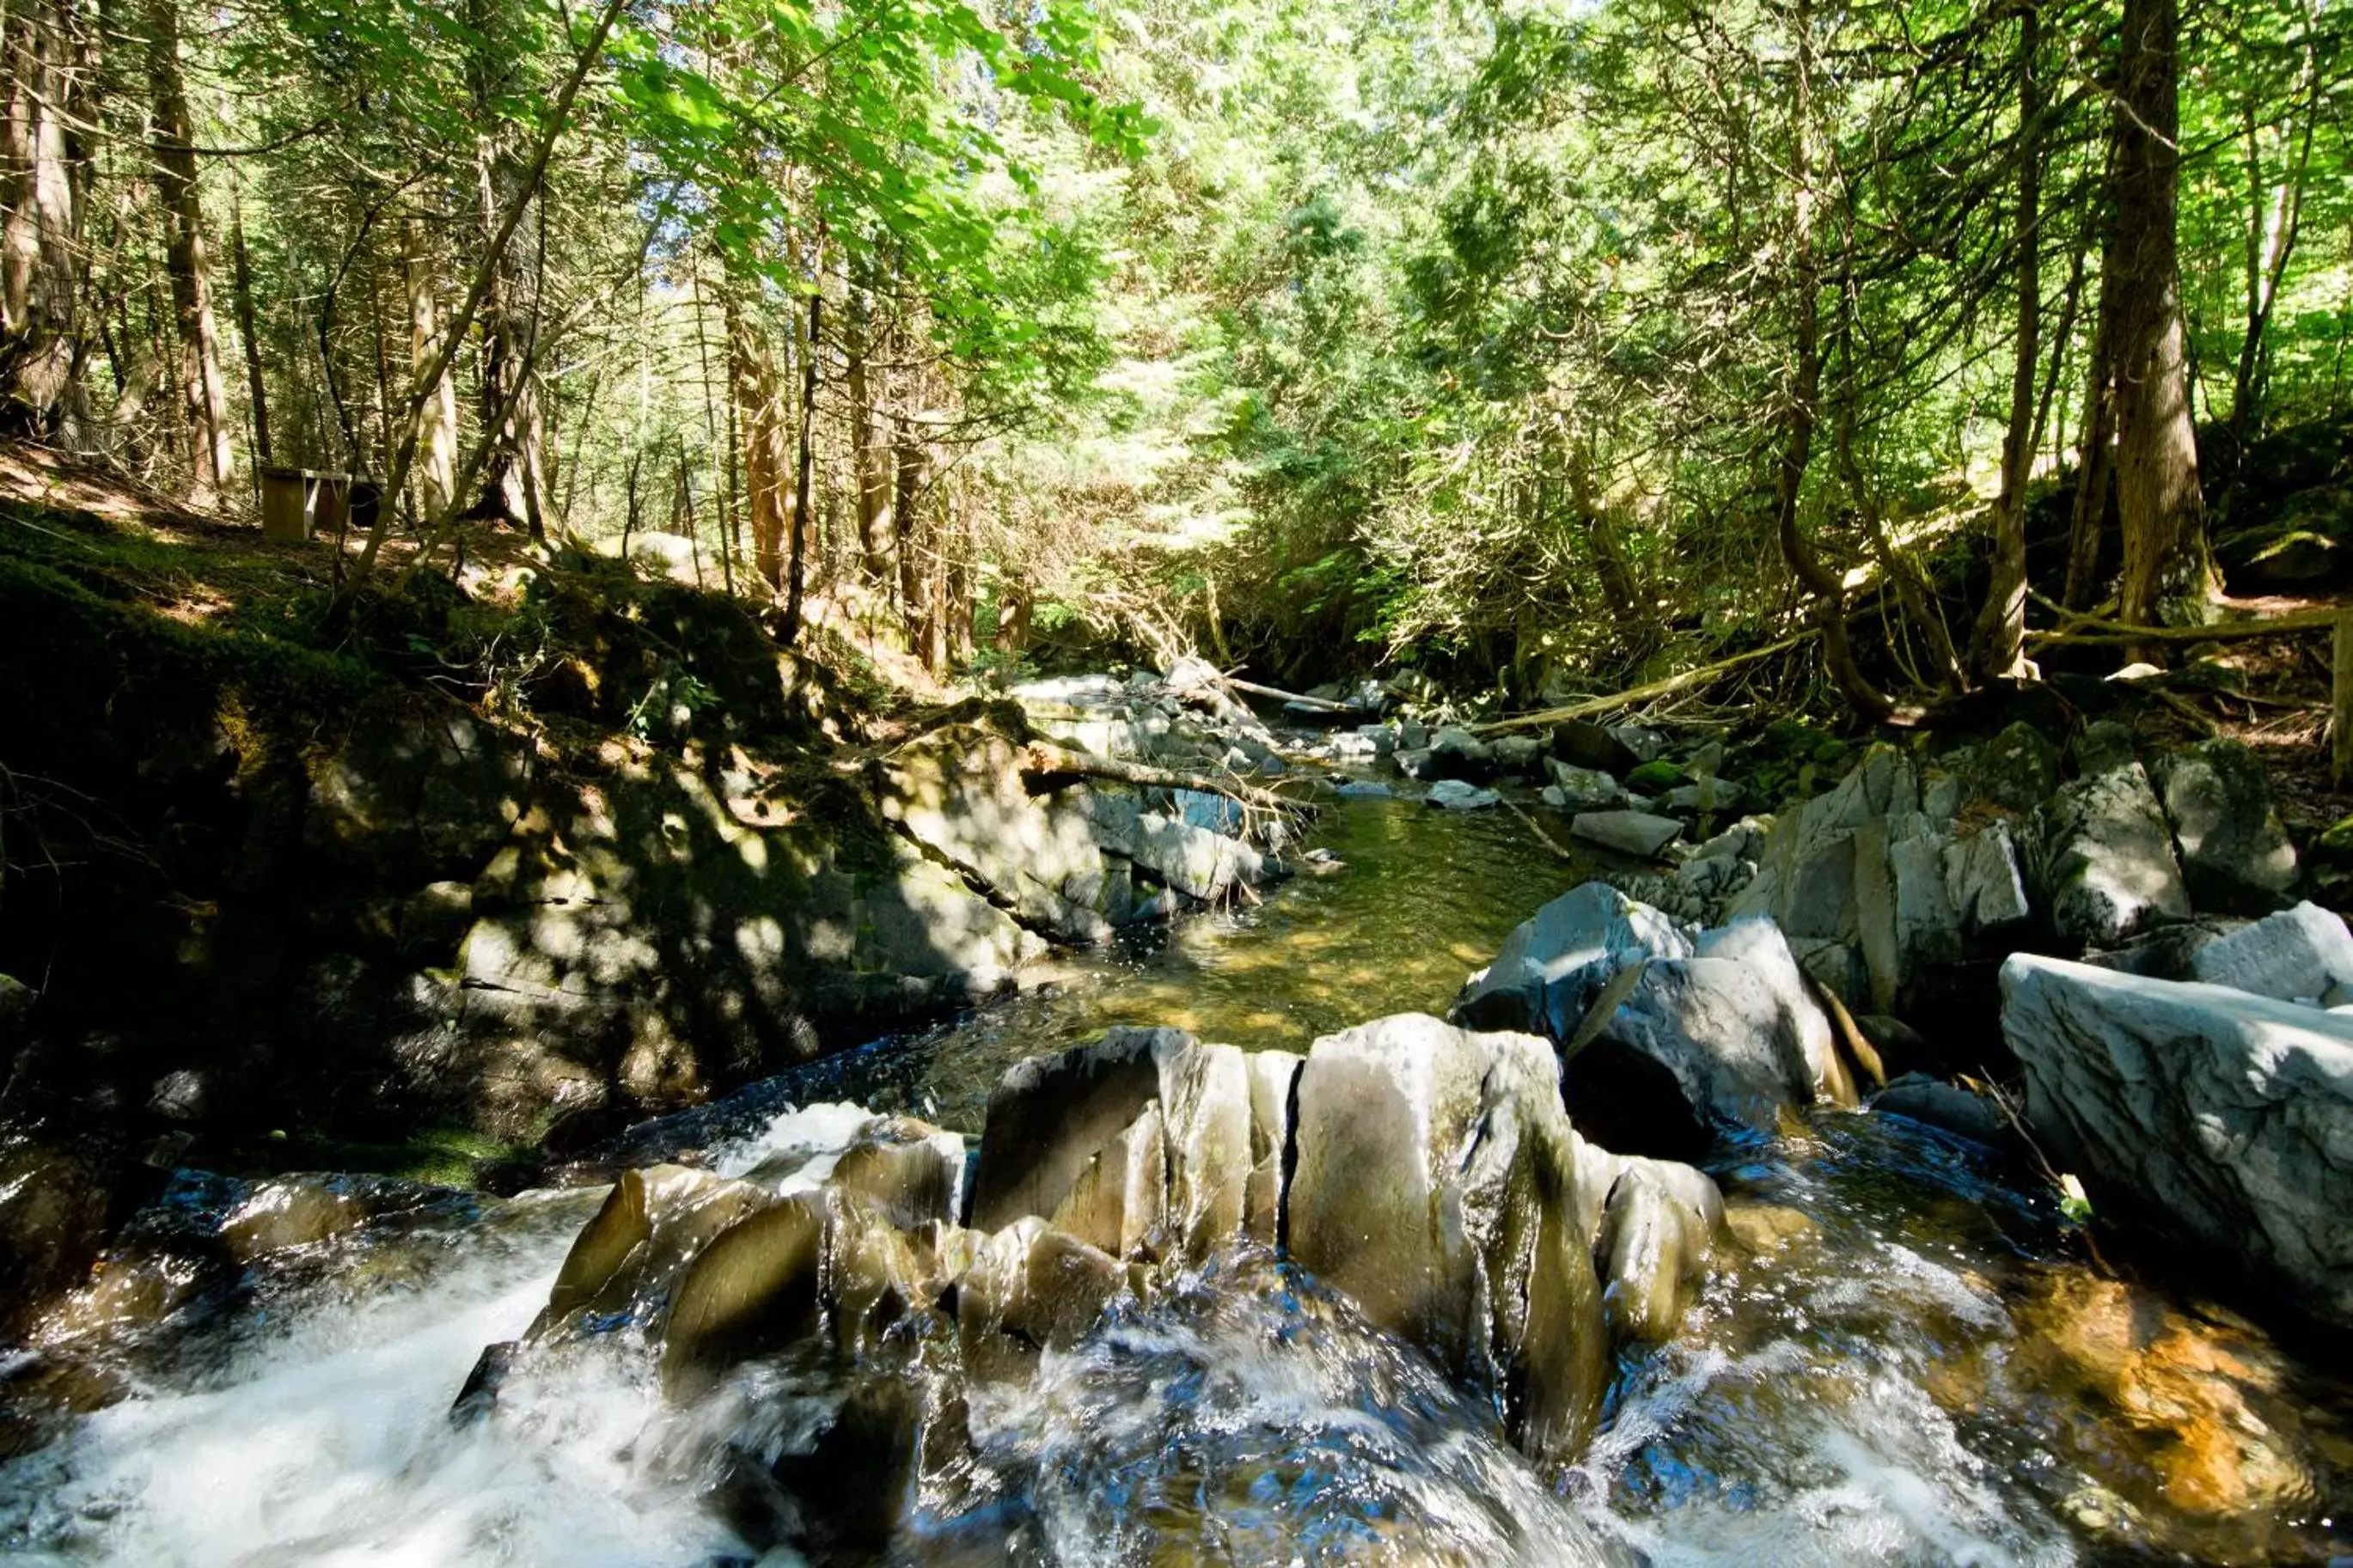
(1708, 761)
(1711, 878)
(1710, 794)
(1413, 735)
(1744, 840)
(1553, 965)
(1836, 966)
(1646, 744)
(1456, 754)
(2216, 1119)
(1364, 789)
(2165, 952)
(1457, 794)
(2107, 869)
(1554, 796)
(1984, 882)
(183, 1096)
(1586, 789)
(1583, 744)
(1941, 797)
(1635, 833)
(1945, 1107)
(1928, 927)
(1382, 737)
(1439, 1186)
(2236, 854)
(1518, 756)
(1719, 1027)
(1414, 762)
(1659, 1228)
(2299, 954)
(1757, 946)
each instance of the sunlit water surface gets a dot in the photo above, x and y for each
(1902, 1362)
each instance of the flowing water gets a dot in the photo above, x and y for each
(1903, 1358)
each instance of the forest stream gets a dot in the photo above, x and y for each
(1906, 1359)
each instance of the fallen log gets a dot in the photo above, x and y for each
(2089, 630)
(1044, 759)
(1654, 690)
(1321, 704)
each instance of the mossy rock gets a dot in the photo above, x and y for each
(1653, 777)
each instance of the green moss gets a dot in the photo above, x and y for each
(444, 1156)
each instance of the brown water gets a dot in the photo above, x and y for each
(1904, 1358)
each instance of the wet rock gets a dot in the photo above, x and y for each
(1051, 1115)
(1635, 833)
(2236, 854)
(2107, 869)
(1945, 1106)
(2299, 954)
(1139, 1145)
(755, 1288)
(1273, 1081)
(1414, 762)
(1837, 968)
(1553, 966)
(1454, 794)
(57, 1196)
(1585, 789)
(186, 1095)
(652, 1222)
(1031, 1288)
(1583, 744)
(288, 1213)
(1658, 1230)
(909, 1171)
(1363, 789)
(2199, 1424)
(1813, 878)
(2218, 1119)
(1439, 1186)
(1761, 1229)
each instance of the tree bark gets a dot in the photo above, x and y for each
(751, 370)
(191, 300)
(256, 388)
(1998, 647)
(436, 440)
(1801, 398)
(41, 231)
(804, 471)
(2167, 572)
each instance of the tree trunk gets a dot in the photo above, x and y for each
(1999, 649)
(805, 473)
(752, 370)
(192, 299)
(41, 186)
(2272, 226)
(1801, 398)
(2167, 572)
(436, 439)
(241, 290)
(906, 521)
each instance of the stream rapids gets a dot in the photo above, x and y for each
(1907, 1359)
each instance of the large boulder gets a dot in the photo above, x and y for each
(960, 795)
(1659, 1230)
(1456, 754)
(2236, 854)
(1439, 1186)
(1804, 1031)
(2107, 868)
(1553, 966)
(1142, 1143)
(2303, 954)
(1721, 1029)
(1196, 861)
(1584, 745)
(1639, 834)
(2211, 1116)
(1585, 789)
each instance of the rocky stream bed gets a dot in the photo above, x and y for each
(1254, 1232)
